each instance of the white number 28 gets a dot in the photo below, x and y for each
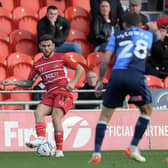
(140, 50)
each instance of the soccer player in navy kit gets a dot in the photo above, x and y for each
(128, 77)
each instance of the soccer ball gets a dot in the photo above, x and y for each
(45, 149)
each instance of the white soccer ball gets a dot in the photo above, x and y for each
(45, 149)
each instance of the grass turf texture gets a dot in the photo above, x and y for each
(110, 159)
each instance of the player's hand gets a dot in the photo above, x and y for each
(99, 88)
(70, 86)
(6, 82)
(152, 26)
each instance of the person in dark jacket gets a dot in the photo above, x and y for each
(116, 7)
(102, 26)
(91, 79)
(157, 63)
(59, 27)
(135, 6)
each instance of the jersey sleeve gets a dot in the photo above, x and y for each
(111, 44)
(70, 62)
(33, 74)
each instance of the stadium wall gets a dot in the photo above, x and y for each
(79, 129)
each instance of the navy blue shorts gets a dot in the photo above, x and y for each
(123, 83)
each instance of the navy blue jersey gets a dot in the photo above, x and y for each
(131, 47)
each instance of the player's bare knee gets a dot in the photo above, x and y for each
(146, 109)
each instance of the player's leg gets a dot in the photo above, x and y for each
(62, 104)
(105, 117)
(39, 114)
(57, 115)
(140, 129)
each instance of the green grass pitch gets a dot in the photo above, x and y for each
(79, 159)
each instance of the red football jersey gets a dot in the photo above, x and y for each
(52, 70)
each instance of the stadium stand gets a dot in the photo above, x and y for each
(33, 4)
(7, 24)
(5, 12)
(18, 34)
(20, 11)
(8, 4)
(154, 82)
(30, 49)
(3, 71)
(28, 23)
(75, 11)
(21, 70)
(4, 49)
(60, 4)
(15, 58)
(75, 34)
(82, 3)
(166, 83)
(93, 59)
(4, 36)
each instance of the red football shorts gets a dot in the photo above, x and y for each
(58, 101)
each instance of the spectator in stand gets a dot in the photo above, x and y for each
(0, 4)
(102, 26)
(116, 5)
(135, 6)
(59, 28)
(91, 80)
(157, 63)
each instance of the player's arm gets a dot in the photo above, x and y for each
(104, 63)
(78, 73)
(22, 83)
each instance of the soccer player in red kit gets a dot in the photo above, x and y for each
(58, 99)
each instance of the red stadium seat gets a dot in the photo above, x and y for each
(22, 70)
(82, 24)
(26, 46)
(7, 24)
(5, 12)
(3, 72)
(17, 57)
(28, 23)
(4, 36)
(154, 82)
(20, 96)
(33, 4)
(94, 58)
(166, 82)
(4, 49)
(77, 57)
(8, 4)
(20, 11)
(37, 56)
(73, 12)
(70, 76)
(107, 74)
(43, 11)
(60, 4)
(86, 48)
(76, 35)
(19, 34)
(11, 107)
(82, 3)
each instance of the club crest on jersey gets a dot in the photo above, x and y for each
(56, 66)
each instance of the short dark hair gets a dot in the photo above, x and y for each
(131, 19)
(47, 37)
(52, 7)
